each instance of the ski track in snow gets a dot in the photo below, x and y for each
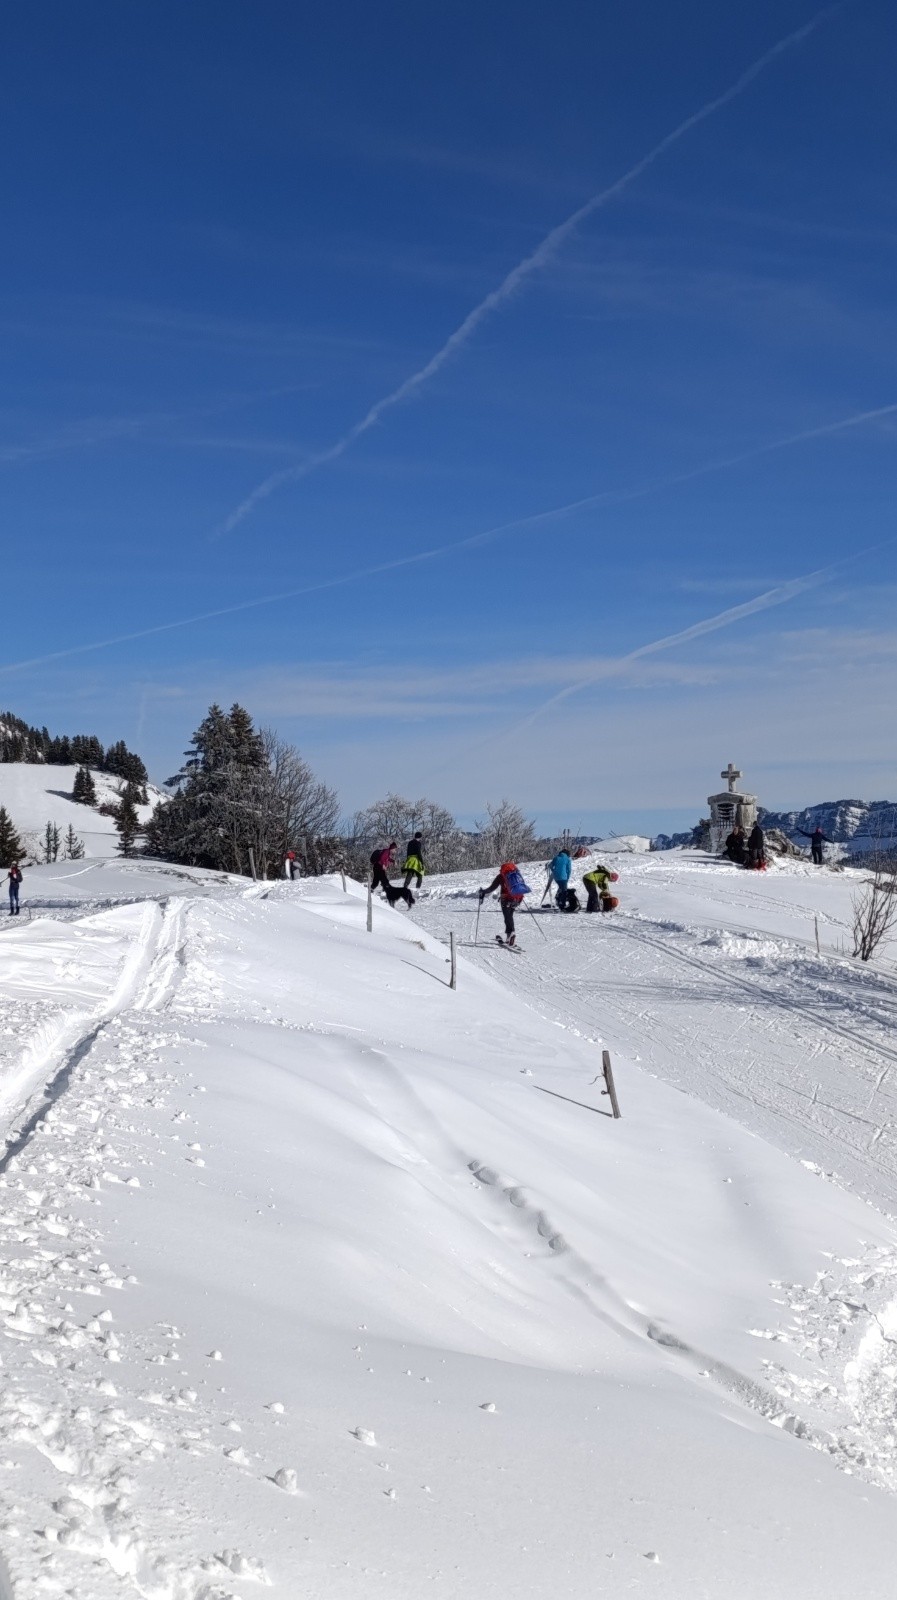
(104, 1455)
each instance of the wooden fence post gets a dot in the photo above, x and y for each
(453, 981)
(609, 1080)
(370, 909)
(343, 876)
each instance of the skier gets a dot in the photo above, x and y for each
(511, 889)
(559, 870)
(756, 848)
(14, 878)
(735, 845)
(817, 839)
(414, 861)
(597, 886)
(381, 861)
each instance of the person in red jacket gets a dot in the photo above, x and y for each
(508, 898)
(381, 861)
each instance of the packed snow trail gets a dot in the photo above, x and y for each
(306, 1287)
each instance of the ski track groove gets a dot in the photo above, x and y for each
(149, 976)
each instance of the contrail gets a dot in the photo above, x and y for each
(470, 542)
(723, 619)
(539, 257)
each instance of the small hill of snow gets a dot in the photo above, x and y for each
(322, 1278)
(35, 794)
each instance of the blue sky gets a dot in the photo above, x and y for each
(239, 240)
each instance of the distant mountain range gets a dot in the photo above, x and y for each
(859, 825)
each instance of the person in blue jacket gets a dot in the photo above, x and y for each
(559, 870)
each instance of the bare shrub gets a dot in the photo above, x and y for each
(875, 907)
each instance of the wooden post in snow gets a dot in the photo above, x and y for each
(609, 1080)
(343, 876)
(370, 909)
(453, 981)
(816, 925)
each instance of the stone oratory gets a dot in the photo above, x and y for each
(729, 808)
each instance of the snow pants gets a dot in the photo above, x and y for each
(508, 907)
(380, 880)
(816, 853)
(13, 898)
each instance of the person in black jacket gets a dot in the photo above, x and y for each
(14, 878)
(756, 847)
(817, 839)
(735, 845)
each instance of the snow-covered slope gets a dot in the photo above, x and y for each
(35, 794)
(322, 1276)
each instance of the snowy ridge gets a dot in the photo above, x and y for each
(307, 1246)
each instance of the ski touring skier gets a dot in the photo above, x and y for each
(381, 860)
(413, 866)
(511, 889)
(14, 878)
(597, 884)
(559, 870)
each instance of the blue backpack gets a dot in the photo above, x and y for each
(514, 885)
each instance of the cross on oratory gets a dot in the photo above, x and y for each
(732, 775)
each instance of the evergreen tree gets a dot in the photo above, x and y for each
(74, 849)
(84, 790)
(127, 821)
(11, 848)
(51, 842)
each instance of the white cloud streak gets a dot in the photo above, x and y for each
(534, 262)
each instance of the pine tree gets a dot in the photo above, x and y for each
(11, 848)
(84, 789)
(74, 849)
(51, 842)
(127, 821)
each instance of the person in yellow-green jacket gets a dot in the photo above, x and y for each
(597, 883)
(414, 861)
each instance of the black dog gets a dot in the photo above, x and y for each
(393, 894)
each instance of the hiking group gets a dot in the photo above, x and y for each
(383, 858)
(512, 888)
(747, 852)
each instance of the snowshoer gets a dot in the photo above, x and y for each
(597, 883)
(817, 839)
(14, 878)
(559, 870)
(756, 848)
(413, 866)
(381, 861)
(736, 849)
(512, 888)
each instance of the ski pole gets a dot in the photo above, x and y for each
(537, 922)
(476, 930)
